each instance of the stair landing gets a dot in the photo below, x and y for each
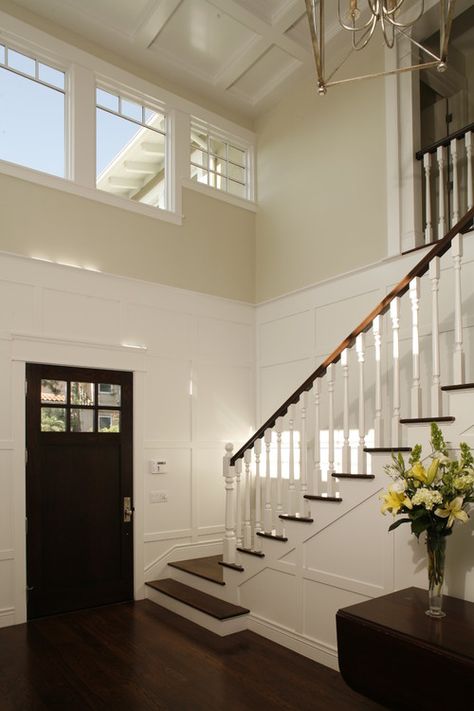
(208, 568)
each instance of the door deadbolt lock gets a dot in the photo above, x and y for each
(128, 509)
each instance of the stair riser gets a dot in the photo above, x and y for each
(219, 627)
(198, 583)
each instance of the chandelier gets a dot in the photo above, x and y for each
(361, 18)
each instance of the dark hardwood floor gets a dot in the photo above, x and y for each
(140, 656)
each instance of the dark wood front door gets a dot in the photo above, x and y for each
(78, 488)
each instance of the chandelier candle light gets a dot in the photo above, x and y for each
(433, 499)
(361, 18)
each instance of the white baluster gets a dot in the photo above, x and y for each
(279, 495)
(415, 347)
(238, 503)
(394, 314)
(317, 438)
(291, 473)
(458, 355)
(441, 158)
(434, 274)
(362, 458)
(304, 506)
(346, 448)
(428, 217)
(258, 495)
(378, 422)
(331, 485)
(229, 555)
(454, 166)
(248, 486)
(470, 190)
(267, 513)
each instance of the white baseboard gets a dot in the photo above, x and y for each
(7, 617)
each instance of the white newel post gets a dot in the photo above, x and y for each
(279, 494)
(317, 439)
(291, 473)
(454, 166)
(428, 216)
(394, 315)
(229, 538)
(378, 422)
(331, 468)
(434, 275)
(362, 456)
(258, 495)
(441, 158)
(238, 503)
(267, 514)
(470, 190)
(346, 448)
(415, 347)
(304, 455)
(458, 355)
(248, 485)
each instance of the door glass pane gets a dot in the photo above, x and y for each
(109, 421)
(82, 393)
(53, 391)
(109, 394)
(82, 420)
(53, 419)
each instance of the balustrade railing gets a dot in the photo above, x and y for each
(316, 435)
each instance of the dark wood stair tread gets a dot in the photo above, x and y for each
(210, 605)
(272, 536)
(464, 386)
(207, 568)
(353, 476)
(422, 420)
(232, 566)
(249, 551)
(317, 497)
(374, 450)
(296, 517)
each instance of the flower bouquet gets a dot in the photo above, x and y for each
(433, 493)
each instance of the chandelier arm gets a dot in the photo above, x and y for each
(363, 41)
(402, 70)
(446, 27)
(407, 24)
(420, 46)
(318, 58)
(351, 28)
(397, 7)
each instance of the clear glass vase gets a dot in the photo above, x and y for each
(436, 547)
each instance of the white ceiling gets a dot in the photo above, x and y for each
(239, 53)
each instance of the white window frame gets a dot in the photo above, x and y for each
(83, 72)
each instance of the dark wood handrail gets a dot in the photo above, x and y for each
(444, 141)
(401, 288)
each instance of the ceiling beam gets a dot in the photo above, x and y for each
(151, 27)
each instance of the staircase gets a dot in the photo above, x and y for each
(303, 531)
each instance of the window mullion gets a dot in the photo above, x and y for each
(81, 143)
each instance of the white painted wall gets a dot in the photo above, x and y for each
(55, 314)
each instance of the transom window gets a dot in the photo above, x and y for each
(32, 112)
(131, 149)
(71, 406)
(218, 163)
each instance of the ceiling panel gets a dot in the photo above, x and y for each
(203, 37)
(300, 32)
(273, 64)
(267, 10)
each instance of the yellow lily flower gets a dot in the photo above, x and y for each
(432, 471)
(393, 501)
(425, 476)
(453, 511)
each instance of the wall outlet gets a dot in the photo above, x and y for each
(158, 497)
(157, 466)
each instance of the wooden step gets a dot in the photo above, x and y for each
(272, 536)
(354, 476)
(386, 450)
(296, 517)
(232, 566)
(249, 551)
(314, 497)
(423, 420)
(210, 605)
(207, 568)
(465, 386)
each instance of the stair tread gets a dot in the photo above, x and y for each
(210, 605)
(273, 536)
(464, 386)
(232, 566)
(428, 420)
(249, 551)
(317, 497)
(353, 476)
(296, 517)
(387, 449)
(207, 568)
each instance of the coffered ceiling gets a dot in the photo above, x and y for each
(240, 53)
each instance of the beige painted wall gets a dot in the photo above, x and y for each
(212, 252)
(321, 182)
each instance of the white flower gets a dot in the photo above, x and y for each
(399, 485)
(464, 482)
(427, 498)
